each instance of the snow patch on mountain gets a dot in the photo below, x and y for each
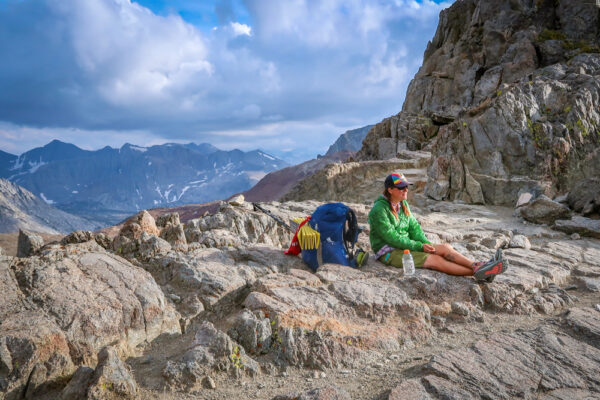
(48, 201)
(34, 166)
(18, 164)
(267, 156)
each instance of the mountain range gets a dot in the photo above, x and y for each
(70, 188)
(108, 184)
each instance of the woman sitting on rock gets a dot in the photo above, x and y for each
(394, 228)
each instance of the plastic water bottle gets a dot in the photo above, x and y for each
(407, 263)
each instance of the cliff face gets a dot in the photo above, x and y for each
(506, 99)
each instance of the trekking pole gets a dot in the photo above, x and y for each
(270, 214)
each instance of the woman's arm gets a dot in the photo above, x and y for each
(415, 231)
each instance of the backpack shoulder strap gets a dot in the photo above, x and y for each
(351, 231)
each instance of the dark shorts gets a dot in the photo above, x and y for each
(394, 258)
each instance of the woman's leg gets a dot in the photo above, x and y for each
(443, 265)
(446, 251)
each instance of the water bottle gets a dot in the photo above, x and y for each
(407, 263)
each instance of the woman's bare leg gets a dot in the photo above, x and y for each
(446, 251)
(439, 263)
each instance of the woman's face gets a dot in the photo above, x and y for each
(397, 195)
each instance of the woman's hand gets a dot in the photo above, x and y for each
(428, 248)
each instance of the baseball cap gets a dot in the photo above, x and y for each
(396, 180)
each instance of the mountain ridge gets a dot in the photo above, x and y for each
(108, 184)
(351, 140)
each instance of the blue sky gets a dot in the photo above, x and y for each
(285, 76)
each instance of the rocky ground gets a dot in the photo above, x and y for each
(212, 309)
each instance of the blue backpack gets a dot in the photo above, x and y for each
(338, 229)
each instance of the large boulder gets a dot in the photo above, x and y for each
(28, 243)
(544, 210)
(584, 197)
(60, 308)
(235, 226)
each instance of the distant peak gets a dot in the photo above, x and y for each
(58, 143)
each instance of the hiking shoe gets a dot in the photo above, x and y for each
(491, 269)
(361, 258)
(497, 257)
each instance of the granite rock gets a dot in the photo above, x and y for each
(28, 243)
(544, 210)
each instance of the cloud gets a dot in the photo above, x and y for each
(118, 68)
(240, 29)
(14, 138)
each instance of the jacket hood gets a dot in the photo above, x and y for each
(382, 199)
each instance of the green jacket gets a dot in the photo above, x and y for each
(400, 233)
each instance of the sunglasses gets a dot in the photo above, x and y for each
(403, 189)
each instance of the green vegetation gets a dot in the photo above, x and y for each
(236, 357)
(581, 45)
(568, 45)
(498, 93)
(567, 109)
(549, 34)
(536, 130)
(582, 128)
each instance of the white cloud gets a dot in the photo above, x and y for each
(241, 29)
(116, 68)
(86, 139)
(133, 56)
